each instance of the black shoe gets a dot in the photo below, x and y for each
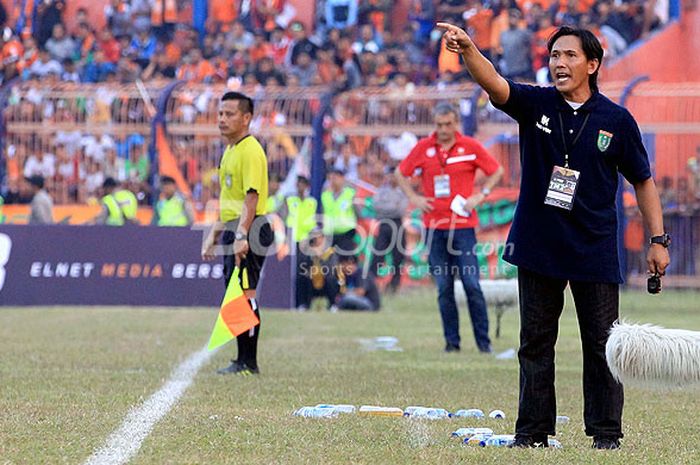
(238, 368)
(606, 442)
(530, 442)
(451, 348)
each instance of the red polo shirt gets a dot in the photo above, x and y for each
(460, 162)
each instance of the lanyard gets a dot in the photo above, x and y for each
(563, 137)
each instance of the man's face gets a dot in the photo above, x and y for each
(337, 181)
(569, 66)
(445, 126)
(232, 121)
(58, 32)
(168, 189)
(302, 186)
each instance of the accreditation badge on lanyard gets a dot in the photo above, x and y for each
(441, 182)
(562, 188)
(564, 181)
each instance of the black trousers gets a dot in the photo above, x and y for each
(541, 305)
(388, 243)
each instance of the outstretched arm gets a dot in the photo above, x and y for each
(481, 69)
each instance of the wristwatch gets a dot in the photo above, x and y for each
(240, 236)
(664, 239)
(486, 191)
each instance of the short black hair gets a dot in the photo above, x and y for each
(303, 179)
(590, 45)
(109, 183)
(36, 181)
(167, 180)
(245, 103)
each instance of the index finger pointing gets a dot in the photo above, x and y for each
(446, 26)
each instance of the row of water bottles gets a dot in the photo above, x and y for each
(324, 410)
(484, 437)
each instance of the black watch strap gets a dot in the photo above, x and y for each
(664, 240)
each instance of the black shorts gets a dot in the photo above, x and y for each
(260, 238)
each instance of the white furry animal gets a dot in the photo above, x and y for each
(653, 357)
(500, 294)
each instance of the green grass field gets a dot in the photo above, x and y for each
(68, 377)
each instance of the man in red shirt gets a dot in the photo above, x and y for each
(448, 162)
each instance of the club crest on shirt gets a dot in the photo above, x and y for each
(430, 152)
(604, 139)
(228, 180)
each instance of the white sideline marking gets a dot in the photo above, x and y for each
(125, 442)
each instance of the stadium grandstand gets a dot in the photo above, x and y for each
(128, 89)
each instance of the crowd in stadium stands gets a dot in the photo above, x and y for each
(259, 42)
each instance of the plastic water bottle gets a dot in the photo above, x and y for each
(554, 443)
(469, 432)
(497, 414)
(429, 413)
(562, 420)
(477, 440)
(340, 408)
(500, 440)
(469, 413)
(315, 412)
(408, 411)
(374, 410)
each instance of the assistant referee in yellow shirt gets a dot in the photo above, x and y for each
(243, 229)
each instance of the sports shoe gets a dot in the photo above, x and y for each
(529, 442)
(238, 368)
(451, 348)
(606, 442)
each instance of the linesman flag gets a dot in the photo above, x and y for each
(235, 317)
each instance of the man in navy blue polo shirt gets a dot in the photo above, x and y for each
(573, 143)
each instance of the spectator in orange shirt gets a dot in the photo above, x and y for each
(260, 48)
(478, 20)
(222, 13)
(196, 68)
(265, 12)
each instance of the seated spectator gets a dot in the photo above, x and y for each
(97, 68)
(305, 69)
(142, 48)
(266, 73)
(357, 290)
(118, 15)
(70, 72)
(196, 68)
(60, 46)
(40, 164)
(316, 276)
(84, 41)
(301, 43)
(109, 46)
(366, 42)
(238, 39)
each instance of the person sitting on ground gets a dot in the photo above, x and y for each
(316, 276)
(358, 291)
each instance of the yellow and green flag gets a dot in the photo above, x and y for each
(235, 317)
